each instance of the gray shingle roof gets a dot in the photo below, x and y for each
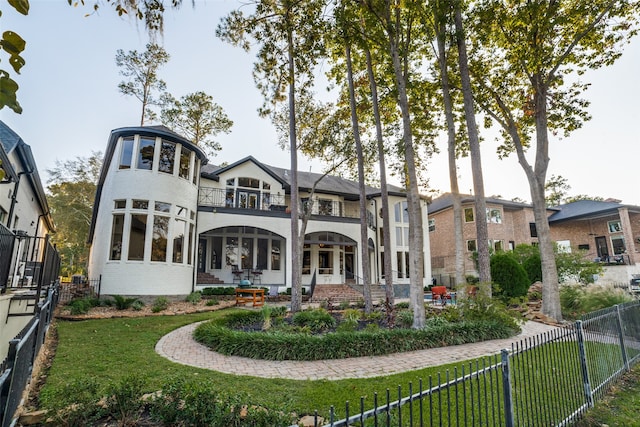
(445, 201)
(588, 208)
(330, 184)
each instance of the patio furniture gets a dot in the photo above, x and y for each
(439, 294)
(257, 275)
(237, 274)
(254, 296)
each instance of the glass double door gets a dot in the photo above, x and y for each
(248, 199)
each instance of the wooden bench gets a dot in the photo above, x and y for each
(245, 295)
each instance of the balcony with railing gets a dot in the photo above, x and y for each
(239, 199)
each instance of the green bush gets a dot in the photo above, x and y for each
(197, 403)
(404, 318)
(508, 274)
(194, 297)
(278, 345)
(75, 404)
(124, 403)
(318, 319)
(123, 303)
(212, 302)
(137, 305)
(160, 304)
(577, 300)
(82, 305)
(352, 314)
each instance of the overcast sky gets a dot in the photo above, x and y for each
(68, 91)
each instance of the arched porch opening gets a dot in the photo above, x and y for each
(331, 256)
(234, 253)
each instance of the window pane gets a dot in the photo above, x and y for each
(137, 237)
(432, 225)
(275, 254)
(119, 204)
(306, 262)
(398, 236)
(399, 259)
(325, 207)
(614, 226)
(145, 153)
(407, 270)
(126, 153)
(533, 232)
(185, 160)
(229, 198)
(248, 182)
(381, 236)
(163, 207)
(325, 262)
(397, 212)
(263, 247)
(494, 216)
(406, 236)
(178, 241)
(405, 212)
(231, 182)
(167, 157)
(468, 214)
(247, 253)
(140, 204)
(216, 259)
(190, 250)
(618, 245)
(471, 245)
(159, 242)
(195, 170)
(266, 186)
(116, 236)
(231, 251)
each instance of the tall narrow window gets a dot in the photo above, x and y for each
(116, 237)
(247, 253)
(178, 241)
(190, 249)
(167, 157)
(275, 254)
(145, 153)
(261, 261)
(126, 153)
(325, 262)
(231, 251)
(185, 160)
(137, 237)
(216, 253)
(400, 261)
(159, 239)
(306, 262)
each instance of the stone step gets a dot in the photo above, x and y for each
(343, 292)
(208, 279)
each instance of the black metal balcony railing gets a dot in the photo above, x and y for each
(265, 201)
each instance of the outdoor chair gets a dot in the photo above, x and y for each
(439, 294)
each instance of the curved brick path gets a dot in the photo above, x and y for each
(179, 346)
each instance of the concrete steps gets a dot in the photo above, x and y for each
(208, 279)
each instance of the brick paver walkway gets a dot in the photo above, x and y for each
(180, 347)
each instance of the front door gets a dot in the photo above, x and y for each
(601, 247)
(348, 266)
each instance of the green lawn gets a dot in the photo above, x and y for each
(109, 350)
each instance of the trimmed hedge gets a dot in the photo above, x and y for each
(217, 335)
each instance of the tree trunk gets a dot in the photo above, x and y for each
(296, 241)
(482, 233)
(416, 245)
(364, 247)
(384, 193)
(550, 289)
(451, 147)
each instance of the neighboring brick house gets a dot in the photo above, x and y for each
(509, 224)
(608, 231)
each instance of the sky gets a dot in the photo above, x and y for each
(70, 100)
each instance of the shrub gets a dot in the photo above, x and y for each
(347, 325)
(75, 404)
(338, 345)
(137, 305)
(318, 319)
(123, 303)
(509, 275)
(81, 306)
(576, 300)
(404, 318)
(194, 298)
(160, 304)
(212, 302)
(352, 314)
(124, 402)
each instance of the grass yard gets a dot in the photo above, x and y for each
(110, 350)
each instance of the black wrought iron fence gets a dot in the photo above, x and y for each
(16, 369)
(547, 380)
(82, 289)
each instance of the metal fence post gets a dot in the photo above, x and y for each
(583, 365)
(506, 386)
(623, 348)
(6, 388)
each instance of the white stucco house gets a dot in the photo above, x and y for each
(167, 223)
